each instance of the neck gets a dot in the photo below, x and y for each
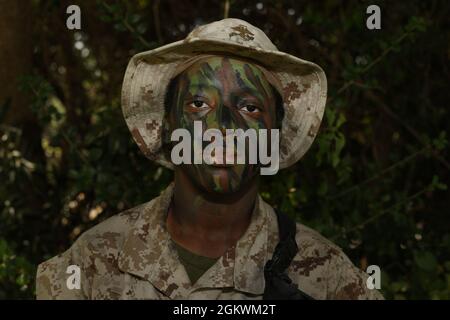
(208, 224)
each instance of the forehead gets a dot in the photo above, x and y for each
(223, 69)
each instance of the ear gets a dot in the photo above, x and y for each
(168, 107)
(166, 131)
(279, 107)
(166, 144)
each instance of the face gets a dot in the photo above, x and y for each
(223, 93)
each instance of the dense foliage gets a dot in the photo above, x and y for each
(374, 182)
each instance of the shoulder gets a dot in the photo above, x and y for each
(96, 249)
(314, 248)
(109, 234)
(324, 271)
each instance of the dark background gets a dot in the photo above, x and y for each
(374, 182)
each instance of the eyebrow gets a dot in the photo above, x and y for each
(237, 92)
(202, 86)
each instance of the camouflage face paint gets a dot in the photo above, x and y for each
(223, 93)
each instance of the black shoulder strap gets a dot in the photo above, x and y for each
(278, 284)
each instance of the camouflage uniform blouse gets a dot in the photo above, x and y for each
(129, 256)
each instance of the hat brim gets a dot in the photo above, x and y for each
(148, 74)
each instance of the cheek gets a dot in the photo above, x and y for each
(262, 122)
(181, 119)
(195, 116)
(176, 115)
(269, 118)
(267, 121)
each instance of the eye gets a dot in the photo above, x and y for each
(250, 108)
(198, 104)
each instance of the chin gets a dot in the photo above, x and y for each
(224, 180)
(221, 180)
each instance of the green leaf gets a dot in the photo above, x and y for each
(425, 260)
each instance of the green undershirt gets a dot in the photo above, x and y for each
(194, 264)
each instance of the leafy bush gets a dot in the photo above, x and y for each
(374, 182)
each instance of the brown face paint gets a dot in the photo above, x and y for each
(223, 93)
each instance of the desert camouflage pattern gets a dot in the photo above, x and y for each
(129, 256)
(303, 85)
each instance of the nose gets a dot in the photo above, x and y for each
(225, 119)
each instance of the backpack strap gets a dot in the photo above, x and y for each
(278, 284)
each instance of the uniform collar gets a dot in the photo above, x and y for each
(148, 253)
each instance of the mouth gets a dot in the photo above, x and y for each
(216, 165)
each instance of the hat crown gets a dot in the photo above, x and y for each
(233, 30)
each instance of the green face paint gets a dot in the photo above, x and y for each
(223, 93)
